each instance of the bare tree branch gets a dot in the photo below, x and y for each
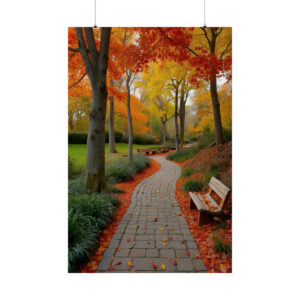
(77, 81)
(221, 29)
(205, 33)
(180, 44)
(73, 49)
(89, 33)
(84, 53)
(226, 50)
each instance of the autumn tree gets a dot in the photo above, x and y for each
(157, 97)
(207, 49)
(95, 60)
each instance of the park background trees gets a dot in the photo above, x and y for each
(149, 77)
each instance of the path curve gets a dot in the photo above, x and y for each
(152, 231)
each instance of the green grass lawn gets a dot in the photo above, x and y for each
(78, 152)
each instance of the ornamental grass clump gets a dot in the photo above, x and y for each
(192, 185)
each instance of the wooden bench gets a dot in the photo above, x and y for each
(152, 150)
(206, 205)
(147, 150)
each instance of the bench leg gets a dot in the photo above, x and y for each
(192, 204)
(204, 218)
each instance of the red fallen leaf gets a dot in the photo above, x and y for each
(117, 249)
(154, 266)
(226, 211)
(155, 220)
(197, 256)
(128, 239)
(148, 243)
(171, 229)
(111, 268)
(170, 238)
(217, 219)
(178, 214)
(182, 242)
(187, 253)
(118, 263)
(145, 228)
(174, 263)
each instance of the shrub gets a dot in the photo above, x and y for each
(227, 134)
(192, 185)
(81, 138)
(143, 140)
(187, 172)
(82, 238)
(118, 137)
(211, 172)
(77, 138)
(185, 154)
(222, 246)
(72, 169)
(88, 215)
(119, 171)
(124, 170)
(140, 162)
(76, 185)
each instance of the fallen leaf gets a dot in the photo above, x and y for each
(169, 258)
(161, 229)
(182, 242)
(164, 244)
(129, 263)
(187, 253)
(117, 249)
(111, 268)
(154, 266)
(171, 229)
(118, 263)
(197, 256)
(128, 239)
(170, 238)
(226, 211)
(164, 240)
(174, 263)
(162, 266)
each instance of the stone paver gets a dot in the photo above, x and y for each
(152, 231)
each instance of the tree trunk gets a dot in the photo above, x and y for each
(97, 70)
(176, 121)
(216, 111)
(181, 120)
(214, 93)
(164, 131)
(111, 126)
(95, 162)
(130, 127)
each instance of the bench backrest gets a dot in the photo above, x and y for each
(219, 188)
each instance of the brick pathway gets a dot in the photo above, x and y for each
(152, 232)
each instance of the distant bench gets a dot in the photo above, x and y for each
(206, 205)
(152, 150)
